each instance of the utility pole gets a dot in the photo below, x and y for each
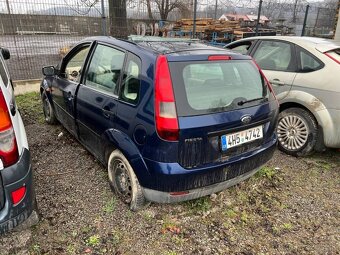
(337, 25)
(258, 18)
(305, 21)
(294, 13)
(103, 19)
(194, 25)
(216, 9)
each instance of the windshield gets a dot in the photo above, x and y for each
(207, 86)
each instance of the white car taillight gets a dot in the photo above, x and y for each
(8, 145)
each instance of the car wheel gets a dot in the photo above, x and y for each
(48, 110)
(297, 132)
(124, 182)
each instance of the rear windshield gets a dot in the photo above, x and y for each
(204, 87)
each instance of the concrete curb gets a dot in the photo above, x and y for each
(25, 86)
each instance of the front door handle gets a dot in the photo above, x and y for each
(106, 112)
(277, 82)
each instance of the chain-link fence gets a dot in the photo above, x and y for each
(40, 32)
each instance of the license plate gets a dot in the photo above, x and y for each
(238, 138)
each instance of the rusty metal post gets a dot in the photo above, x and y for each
(194, 25)
(305, 21)
(258, 18)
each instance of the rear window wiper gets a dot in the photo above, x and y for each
(251, 100)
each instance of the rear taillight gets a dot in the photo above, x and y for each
(334, 56)
(8, 145)
(165, 107)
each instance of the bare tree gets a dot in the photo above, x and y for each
(164, 7)
(118, 18)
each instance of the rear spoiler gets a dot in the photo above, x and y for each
(326, 47)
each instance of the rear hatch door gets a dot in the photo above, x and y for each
(224, 106)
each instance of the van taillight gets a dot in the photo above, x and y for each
(165, 107)
(8, 145)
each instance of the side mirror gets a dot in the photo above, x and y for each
(5, 53)
(48, 70)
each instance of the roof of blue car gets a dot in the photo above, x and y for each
(159, 44)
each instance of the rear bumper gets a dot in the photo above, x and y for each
(171, 177)
(166, 197)
(14, 177)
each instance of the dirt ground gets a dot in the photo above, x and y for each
(291, 206)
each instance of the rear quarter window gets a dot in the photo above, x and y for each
(205, 87)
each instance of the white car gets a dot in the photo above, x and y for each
(305, 74)
(17, 197)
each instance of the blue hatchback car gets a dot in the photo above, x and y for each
(171, 120)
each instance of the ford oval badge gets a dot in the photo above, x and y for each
(246, 119)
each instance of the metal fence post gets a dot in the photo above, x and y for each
(258, 18)
(103, 19)
(215, 14)
(305, 21)
(194, 25)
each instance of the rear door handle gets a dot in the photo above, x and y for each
(277, 82)
(69, 96)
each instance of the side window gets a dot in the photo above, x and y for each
(274, 55)
(74, 65)
(105, 68)
(308, 62)
(242, 48)
(3, 73)
(131, 83)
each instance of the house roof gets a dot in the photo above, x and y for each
(247, 17)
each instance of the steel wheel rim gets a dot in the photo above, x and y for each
(121, 179)
(292, 132)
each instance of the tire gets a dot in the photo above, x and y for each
(297, 132)
(48, 110)
(124, 182)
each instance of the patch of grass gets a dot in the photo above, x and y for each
(110, 205)
(147, 216)
(178, 239)
(244, 217)
(267, 172)
(230, 213)
(116, 237)
(202, 204)
(36, 249)
(93, 241)
(30, 105)
(170, 253)
(285, 227)
(86, 229)
(74, 233)
(71, 249)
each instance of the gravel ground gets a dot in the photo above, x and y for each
(291, 206)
